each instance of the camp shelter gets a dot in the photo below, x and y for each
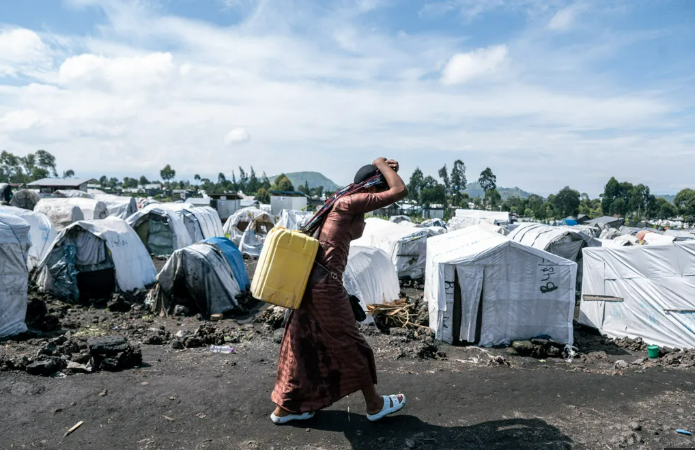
(247, 229)
(201, 222)
(5, 192)
(25, 199)
(405, 245)
(198, 277)
(485, 288)
(234, 258)
(64, 211)
(560, 241)
(160, 228)
(606, 222)
(620, 241)
(121, 207)
(71, 193)
(42, 233)
(399, 219)
(680, 235)
(93, 259)
(645, 291)
(434, 223)
(493, 217)
(487, 225)
(293, 220)
(657, 239)
(371, 276)
(14, 275)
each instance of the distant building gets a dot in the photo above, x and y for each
(290, 200)
(226, 203)
(433, 212)
(50, 185)
(607, 222)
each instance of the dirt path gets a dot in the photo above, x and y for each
(191, 399)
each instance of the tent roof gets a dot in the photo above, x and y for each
(59, 182)
(501, 216)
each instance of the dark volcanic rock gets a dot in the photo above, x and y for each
(44, 367)
(107, 345)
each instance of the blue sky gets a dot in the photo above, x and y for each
(547, 93)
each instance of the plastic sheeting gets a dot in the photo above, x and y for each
(518, 291)
(405, 245)
(560, 241)
(83, 242)
(293, 220)
(680, 235)
(14, 275)
(72, 193)
(161, 228)
(206, 221)
(25, 199)
(658, 239)
(247, 229)
(465, 223)
(493, 217)
(399, 219)
(653, 290)
(370, 276)
(234, 258)
(121, 207)
(61, 210)
(42, 233)
(199, 273)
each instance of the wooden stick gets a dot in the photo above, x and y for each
(78, 425)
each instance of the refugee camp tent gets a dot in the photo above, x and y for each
(493, 217)
(201, 222)
(121, 207)
(434, 223)
(485, 288)
(293, 220)
(658, 239)
(459, 225)
(371, 276)
(606, 222)
(14, 275)
(5, 192)
(680, 235)
(247, 229)
(71, 193)
(399, 219)
(160, 228)
(641, 291)
(93, 259)
(406, 246)
(234, 258)
(62, 211)
(620, 241)
(25, 199)
(560, 241)
(42, 233)
(199, 277)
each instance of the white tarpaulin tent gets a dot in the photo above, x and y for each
(14, 275)
(61, 213)
(200, 277)
(72, 193)
(561, 241)
(680, 235)
(517, 291)
(493, 217)
(42, 233)
(160, 228)
(95, 256)
(405, 245)
(293, 220)
(371, 276)
(650, 289)
(121, 207)
(465, 223)
(658, 239)
(202, 222)
(247, 229)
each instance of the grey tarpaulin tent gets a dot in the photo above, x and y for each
(14, 275)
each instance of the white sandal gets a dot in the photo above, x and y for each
(390, 407)
(283, 420)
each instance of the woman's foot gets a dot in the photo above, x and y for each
(281, 416)
(390, 405)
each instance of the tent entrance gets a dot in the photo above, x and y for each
(468, 301)
(160, 238)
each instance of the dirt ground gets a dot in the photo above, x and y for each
(458, 397)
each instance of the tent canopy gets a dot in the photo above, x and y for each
(371, 276)
(94, 257)
(42, 233)
(293, 220)
(652, 290)
(161, 228)
(494, 217)
(61, 211)
(14, 276)
(234, 258)
(516, 291)
(561, 241)
(247, 229)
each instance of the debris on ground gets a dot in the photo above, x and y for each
(401, 313)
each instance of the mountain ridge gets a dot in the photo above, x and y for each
(315, 179)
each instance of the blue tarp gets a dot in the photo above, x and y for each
(234, 258)
(569, 222)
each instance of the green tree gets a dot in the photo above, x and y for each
(415, 185)
(492, 198)
(487, 180)
(143, 180)
(458, 181)
(282, 183)
(69, 173)
(667, 211)
(221, 179)
(263, 196)
(103, 181)
(45, 160)
(243, 180)
(566, 202)
(167, 173)
(685, 203)
(265, 182)
(618, 207)
(253, 184)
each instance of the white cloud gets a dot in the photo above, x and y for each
(564, 19)
(21, 50)
(237, 136)
(463, 67)
(21, 120)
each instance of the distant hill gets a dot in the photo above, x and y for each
(315, 179)
(474, 190)
(668, 197)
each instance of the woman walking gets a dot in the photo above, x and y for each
(323, 356)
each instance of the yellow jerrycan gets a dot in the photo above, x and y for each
(284, 266)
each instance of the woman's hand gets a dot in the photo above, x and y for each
(392, 163)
